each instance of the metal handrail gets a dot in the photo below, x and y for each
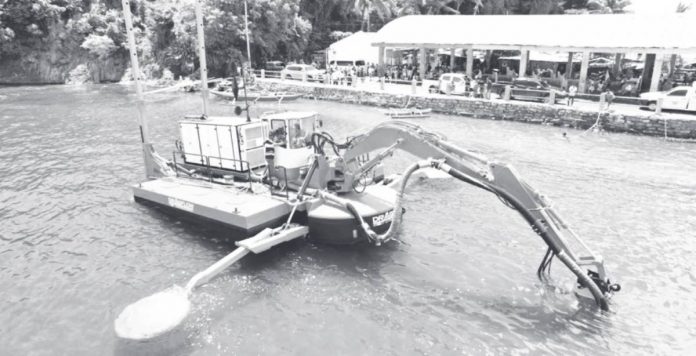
(285, 177)
(209, 167)
(203, 157)
(176, 171)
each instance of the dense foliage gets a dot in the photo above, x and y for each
(91, 32)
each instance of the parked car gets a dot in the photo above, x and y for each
(274, 66)
(453, 83)
(534, 90)
(297, 71)
(679, 98)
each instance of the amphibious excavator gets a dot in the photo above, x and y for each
(283, 175)
(279, 177)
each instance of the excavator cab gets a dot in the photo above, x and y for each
(291, 132)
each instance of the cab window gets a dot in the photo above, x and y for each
(678, 93)
(457, 79)
(297, 133)
(278, 132)
(446, 78)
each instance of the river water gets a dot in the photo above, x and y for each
(75, 249)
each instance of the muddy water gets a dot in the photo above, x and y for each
(75, 249)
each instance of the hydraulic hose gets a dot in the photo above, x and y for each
(396, 220)
(540, 228)
(537, 225)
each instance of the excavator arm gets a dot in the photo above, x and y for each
(497, 178)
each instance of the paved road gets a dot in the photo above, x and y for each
(627, 109)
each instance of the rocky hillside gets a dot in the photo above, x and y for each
(57, 41)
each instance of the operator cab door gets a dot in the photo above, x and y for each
(675, 99)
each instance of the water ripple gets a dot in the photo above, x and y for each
(75, 249)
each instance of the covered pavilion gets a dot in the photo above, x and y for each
(584, 34)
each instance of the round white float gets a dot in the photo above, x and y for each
(154, 315)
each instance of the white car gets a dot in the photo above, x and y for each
(455, 82)
(679, 98)
(298, 71)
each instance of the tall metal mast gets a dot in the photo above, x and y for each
(140, 103)
(246, 31)
(201, 55)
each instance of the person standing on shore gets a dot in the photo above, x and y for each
(487, 88)
(572, 90)
(235, 86)
(609, 96)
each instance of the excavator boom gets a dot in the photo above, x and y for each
(497, 178)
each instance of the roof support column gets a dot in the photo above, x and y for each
(524, 58)
(569, 67)
(672, 64)
(380, 62)
(582, 85)
(452, 59)
(423, 62)
(657, 72)
(618, 57)
(470, 62)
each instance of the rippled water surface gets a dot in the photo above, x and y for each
(75, 249)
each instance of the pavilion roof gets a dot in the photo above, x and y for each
(577, 33)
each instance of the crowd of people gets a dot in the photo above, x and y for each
(605, 82)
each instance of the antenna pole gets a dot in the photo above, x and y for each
(135, 72)
(201, 56)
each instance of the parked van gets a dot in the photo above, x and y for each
(347, 64)
(274, 65)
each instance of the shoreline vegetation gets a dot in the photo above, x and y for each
(84, 41)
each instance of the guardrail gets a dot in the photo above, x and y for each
(497, 87)
(334, 79)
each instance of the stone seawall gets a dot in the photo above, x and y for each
(559, 115)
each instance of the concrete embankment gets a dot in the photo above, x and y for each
(647, 123)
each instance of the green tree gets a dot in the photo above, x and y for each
(483, 7)
(428, 7)
(365, 8)
(596, 6)
(99, 45)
